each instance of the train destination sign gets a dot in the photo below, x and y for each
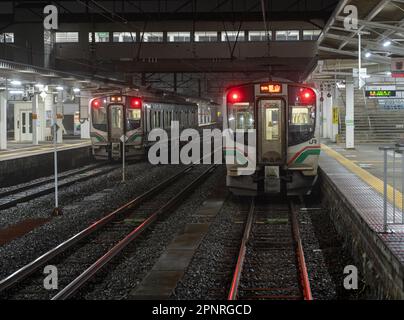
(271, 88)
(380, 93)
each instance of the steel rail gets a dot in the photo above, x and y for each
(46, 181)
(83, 278)
(241, 255)
(48, 190)
(304, 276)
(31, 267)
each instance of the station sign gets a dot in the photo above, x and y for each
(380, 91)
(271, 88)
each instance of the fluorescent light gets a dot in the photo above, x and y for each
(15, 82)
(59, 88)
(368, 54)
(38, 85)
(76, 90)
(16, 91)
(386, 43)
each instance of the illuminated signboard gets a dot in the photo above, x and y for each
(271, 88)
(380, 93)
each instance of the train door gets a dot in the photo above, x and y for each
(116, 126)
(271, 139)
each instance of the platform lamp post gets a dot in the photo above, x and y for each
(56, 210)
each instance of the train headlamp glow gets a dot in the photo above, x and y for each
(116, 99)
(307, 96)
(96, 103)
(234, 96)
(136, 103)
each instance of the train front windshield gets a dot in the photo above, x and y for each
(99, 117)
(134, 117)
(302, 114)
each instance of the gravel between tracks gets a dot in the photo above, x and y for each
(82, 203)
(128, 270)
(325, 256)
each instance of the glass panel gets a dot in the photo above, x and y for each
(30, 122)
(124, 36)
(134, 119)
(241, 117)
(272, 123)
(232, 35)
(287, 35)
(205, 36)
(311, 34)
(116, 118)
(178, 36)
(259, 35)
(98, 37)
(7, 37)
(65, 37)
(99, 118)
(24, 122)
(152, 37)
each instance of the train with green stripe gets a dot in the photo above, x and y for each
(283, 117)
(123, 121)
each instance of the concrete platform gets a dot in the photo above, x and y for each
(22, 162)
(354, 196)
(17, 150)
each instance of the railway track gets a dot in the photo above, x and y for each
(270, 263)
(81, 257)
(29, 191)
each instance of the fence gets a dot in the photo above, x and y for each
(393, 214)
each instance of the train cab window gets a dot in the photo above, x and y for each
(241, 116)
(99, 118)
(134, 117)
(302, 117)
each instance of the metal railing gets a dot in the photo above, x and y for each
(391, 214)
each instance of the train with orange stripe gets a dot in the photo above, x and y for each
(283, 116)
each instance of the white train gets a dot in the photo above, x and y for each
(134, 116)
(284, 115)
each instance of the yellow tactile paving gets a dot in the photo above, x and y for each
(367, 177)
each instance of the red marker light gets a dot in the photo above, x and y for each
(234, 96)
(96, 103)
(307, 95)
(136, 103)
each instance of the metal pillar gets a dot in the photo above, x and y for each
(349, 119)
(328, 104)
(324, 118)
(35, 121)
